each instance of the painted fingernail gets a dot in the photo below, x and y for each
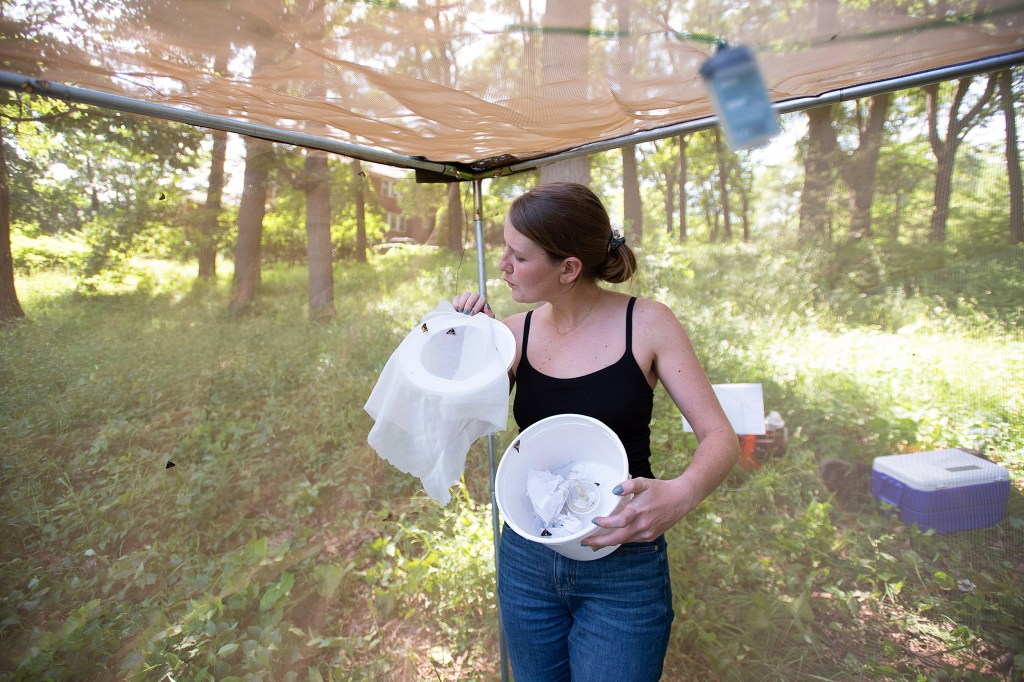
(617, 490)
(595, 548)
(594, 521)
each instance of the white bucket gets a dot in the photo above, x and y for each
(454, 354)
(549, 445)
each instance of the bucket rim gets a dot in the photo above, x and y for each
(534, 430)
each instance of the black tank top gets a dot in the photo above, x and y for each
(617, 395)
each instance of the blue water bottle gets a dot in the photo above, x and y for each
(740, 97)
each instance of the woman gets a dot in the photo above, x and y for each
(592, 351)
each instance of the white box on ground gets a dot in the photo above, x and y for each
(743, 405)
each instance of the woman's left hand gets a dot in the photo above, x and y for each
(471, 303)
(655, 506)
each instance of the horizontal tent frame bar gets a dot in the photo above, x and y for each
(456, 172)
(69, 93)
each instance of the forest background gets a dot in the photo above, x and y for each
(178, 296)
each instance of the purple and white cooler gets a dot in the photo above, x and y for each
(945, 490)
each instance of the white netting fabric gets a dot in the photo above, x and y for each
(472, 81)
(444, 387)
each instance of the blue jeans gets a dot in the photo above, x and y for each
(607, 619)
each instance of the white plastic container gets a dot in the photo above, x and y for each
(453, 354)
(552, 444)
(444, 387)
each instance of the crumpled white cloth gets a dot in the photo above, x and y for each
(428, 434)
(549, 493)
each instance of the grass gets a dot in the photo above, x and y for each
(280, 547)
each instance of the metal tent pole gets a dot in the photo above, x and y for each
(133, 105)
(478, 212)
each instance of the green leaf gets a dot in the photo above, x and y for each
(133, 660)
(227, 649)
(944, 580)
(801, 609)
(330, 577)
(256, 550)
(276, 591)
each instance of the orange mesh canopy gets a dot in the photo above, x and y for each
(480, 81)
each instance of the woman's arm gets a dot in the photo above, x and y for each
(657, 505)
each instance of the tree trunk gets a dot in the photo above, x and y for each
(862, 166)
(565, 57)
(1012, 158)
(319, 254)
(632, 209)
(456, 239)
(94, 197)
(945, 146)
(570, 170)
(10, 308)
(894, 231)
(671, 168)
(712, 215)
(723, 185)
(941, 195)
(813, 222)
(821, 144)
(683, 170)
(360, 198)
(210, 228)
(744, 209)
(251, 209)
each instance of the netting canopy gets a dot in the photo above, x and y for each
(478, 83)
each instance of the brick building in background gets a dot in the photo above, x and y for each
(401, 226)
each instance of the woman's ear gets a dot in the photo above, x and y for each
(572, 268)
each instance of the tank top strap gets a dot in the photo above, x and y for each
(526, 333)
(629, 326)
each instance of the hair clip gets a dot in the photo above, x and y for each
(615, 241)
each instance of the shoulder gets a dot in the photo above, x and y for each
(655, 317)
(515, 323)
(658, 335)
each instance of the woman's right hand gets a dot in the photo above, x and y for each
(471, 303)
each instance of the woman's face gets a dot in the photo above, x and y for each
(528, 270)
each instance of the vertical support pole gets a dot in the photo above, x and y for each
(478, 212)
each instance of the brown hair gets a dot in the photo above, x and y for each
(567, 219)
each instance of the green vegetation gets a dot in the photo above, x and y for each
(280, 547)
